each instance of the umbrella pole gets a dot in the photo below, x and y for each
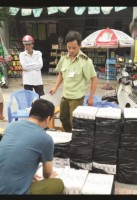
(107, 87)
(107, 65)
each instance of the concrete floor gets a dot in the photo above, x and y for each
(49, 80)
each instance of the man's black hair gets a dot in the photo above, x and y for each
(73, 35)
(41, 109)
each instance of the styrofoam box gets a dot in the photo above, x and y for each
(73, 180)
(61, 162)
(60, 137)
(98, 184)
(130, 113)
(85, 112)
(109, 112)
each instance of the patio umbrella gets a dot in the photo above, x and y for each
(107, 38)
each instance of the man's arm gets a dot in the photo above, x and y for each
(93, 87)
(31, 66)
(48, 170)
(57, 84)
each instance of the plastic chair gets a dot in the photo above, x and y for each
(23, 100)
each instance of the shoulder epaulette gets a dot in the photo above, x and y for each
(64, 53)
(83, 56)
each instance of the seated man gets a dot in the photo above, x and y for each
(23, 146)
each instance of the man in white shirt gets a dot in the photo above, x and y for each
(32, 63)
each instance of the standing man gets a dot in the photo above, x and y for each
(75, 69)
(32, 63)
(23, 146)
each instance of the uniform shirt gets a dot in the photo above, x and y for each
(32, 66)
(75, 74)
(23, 146)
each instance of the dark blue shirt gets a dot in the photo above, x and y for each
(22, 147)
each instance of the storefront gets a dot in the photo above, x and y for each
(47, 28)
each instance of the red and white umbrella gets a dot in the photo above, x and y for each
(107, 38)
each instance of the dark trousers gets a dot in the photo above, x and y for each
(47, 186)
(67, 107)
(38, 89)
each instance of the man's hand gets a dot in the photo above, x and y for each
(53, 175)
(37, 178)
(52, 91)
(90, 101)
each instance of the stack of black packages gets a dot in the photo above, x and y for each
(82, 144)
(107, 139)
(127, 157)
(61, 148)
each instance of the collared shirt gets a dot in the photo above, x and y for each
(75, 74)
(31, 67)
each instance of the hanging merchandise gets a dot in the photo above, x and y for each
(119, 8)
(106, 10)
(37, 12)
(1, 53)
(26, 12)
(13, 10)
(79, 10)
(63, 9)
(4, 58)
(93, 10)
(52, 10)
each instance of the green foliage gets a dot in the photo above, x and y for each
(4, 14)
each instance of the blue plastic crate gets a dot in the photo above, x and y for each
(111, 61)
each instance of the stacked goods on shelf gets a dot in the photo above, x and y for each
(55, 54)
(15, 69)
(110, 69)
(107, 137)
(82, 144)
(61, 148)
(98, 57)
(127, 157)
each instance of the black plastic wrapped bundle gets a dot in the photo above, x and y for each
(81, 152)
(84, 124)
(82, 144)
(62, 150)
(129, 135)
(127, 167)
(104, 156)
(108, 126)
(104, 161)
(107, 135)
(80, 136)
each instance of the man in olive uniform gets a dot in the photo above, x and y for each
(75, 69)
